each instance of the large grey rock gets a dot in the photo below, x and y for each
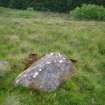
(47, 73)
(4, 67)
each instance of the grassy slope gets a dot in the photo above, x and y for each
(22, 32)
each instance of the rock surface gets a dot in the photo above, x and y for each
(47, 73)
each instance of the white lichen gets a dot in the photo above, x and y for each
(48, 62)
(17, 81)
(51, 54)
(59, 54)
(35, 74)
(40, 69)
(25, 75)
(61, 61)
(64, 58)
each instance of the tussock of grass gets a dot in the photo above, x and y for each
(22, 32)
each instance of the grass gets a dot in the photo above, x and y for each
(22, 32)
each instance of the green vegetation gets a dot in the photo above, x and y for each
(49, 5)
(89, 12)
(22, 32)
